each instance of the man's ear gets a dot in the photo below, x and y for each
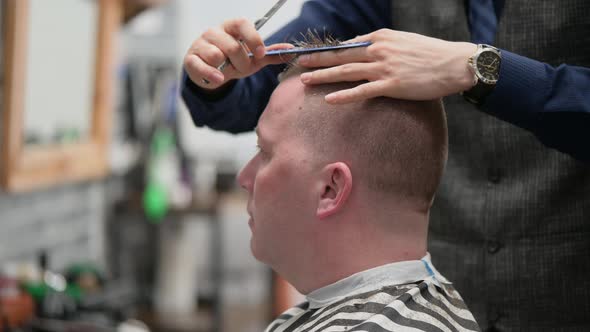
(336, 184)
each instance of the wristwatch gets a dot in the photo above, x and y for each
(485, 65)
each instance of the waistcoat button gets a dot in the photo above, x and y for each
(494, 175)
(493, 247)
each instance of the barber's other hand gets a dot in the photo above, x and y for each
(398, 64)
(216, 45)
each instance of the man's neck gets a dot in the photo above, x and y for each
(359, 243)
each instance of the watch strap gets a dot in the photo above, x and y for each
(477, 94)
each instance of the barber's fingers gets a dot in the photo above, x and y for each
(349, 72)
(361, 92)
(244, 31)
(379, 49)
(231, 47)
(334, 58)
(198, 71)
(276, 59)
(361, 38)
(205, 55)
(254, 65)
(209, 53)
(203, 59)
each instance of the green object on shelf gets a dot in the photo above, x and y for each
(155, 202)
(155, 196)
(82, 277)
(80, 268)
(74, 291)
(37, 290)
(162, 141)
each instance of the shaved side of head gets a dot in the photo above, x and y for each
(394, 147)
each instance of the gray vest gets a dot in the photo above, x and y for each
(511, 222)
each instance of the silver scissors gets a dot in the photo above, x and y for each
(257, 25)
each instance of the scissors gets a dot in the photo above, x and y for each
(257, 25)
(296, 50)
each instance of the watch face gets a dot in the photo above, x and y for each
(488, 65)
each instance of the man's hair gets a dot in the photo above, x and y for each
(393, 146)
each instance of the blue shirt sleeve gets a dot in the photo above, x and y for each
(238, 109)
(551, 102)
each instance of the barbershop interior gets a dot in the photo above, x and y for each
(455, 134)
(116, 212)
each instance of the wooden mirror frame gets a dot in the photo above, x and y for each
(30, 167)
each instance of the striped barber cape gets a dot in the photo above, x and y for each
(401, 296)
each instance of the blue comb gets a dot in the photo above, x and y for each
(307, 50)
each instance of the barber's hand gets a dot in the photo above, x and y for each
(216, 45)
(398, 64)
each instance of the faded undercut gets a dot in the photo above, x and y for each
(392, 146)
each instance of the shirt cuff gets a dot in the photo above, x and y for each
(203, 95)
(521, 88)
(207, 109)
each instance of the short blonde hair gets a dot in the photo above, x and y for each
(394, 146)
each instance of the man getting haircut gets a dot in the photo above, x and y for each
(339, 199)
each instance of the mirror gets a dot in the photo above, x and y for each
(60, 62)
(58, 74)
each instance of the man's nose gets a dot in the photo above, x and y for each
(244, 178)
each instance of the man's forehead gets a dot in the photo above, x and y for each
(289, 94)
(284, 104)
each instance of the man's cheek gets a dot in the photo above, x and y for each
(267, 179)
